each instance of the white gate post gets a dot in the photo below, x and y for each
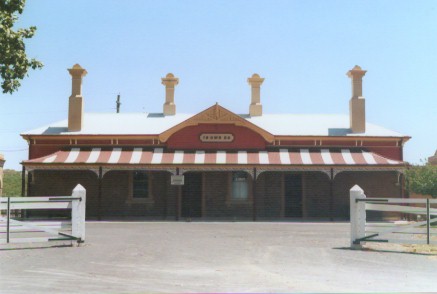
(78, 213)
(357, 216)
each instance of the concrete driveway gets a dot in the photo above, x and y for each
(139, 257)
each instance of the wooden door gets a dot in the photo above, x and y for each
(292, 195)
(192, 195)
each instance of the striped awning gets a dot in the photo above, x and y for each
(159, 156)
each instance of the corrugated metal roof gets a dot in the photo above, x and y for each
(315, 125)
(156, 123)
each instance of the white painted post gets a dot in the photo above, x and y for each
(78, 213)
(357, 216)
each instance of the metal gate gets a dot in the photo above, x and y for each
(423, 230)
(31, 230)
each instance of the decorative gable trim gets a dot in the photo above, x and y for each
(216, 114)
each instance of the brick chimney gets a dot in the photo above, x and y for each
(75, 105)
(169, 82)
(357, 104)
(255, 108)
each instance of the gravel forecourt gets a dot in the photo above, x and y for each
(140, 257)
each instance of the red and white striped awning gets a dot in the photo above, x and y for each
(159, 156)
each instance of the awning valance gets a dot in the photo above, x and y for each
(159, 156)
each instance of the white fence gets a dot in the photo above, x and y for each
(419, 231)
(14, 231)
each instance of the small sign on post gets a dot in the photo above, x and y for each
(177, 180)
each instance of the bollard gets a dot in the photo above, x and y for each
(78, 213)
(357, 217)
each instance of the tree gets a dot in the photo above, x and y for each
(14, 63)
(11, 183)
(422, 179)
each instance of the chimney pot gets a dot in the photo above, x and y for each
(255, 108)
(75, 103)
(356, 74)
(169, 82)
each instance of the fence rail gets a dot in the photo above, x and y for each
(416, 232)
(19, 231)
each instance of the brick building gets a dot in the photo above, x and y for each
(433, 159)
(233, 166)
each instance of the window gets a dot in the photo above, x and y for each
(140, 187)
(240, 186)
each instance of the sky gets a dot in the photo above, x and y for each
(303, 49)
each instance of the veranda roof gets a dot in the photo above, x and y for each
(159, 156)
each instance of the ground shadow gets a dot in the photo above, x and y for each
(36, 247)
(387, 251)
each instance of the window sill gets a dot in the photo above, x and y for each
(235, 202)
(140, 201)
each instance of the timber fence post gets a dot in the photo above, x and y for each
(8, 222)
(78, 213)
(428, 222)
(357, 216)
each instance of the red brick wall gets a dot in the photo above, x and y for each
(316, 195)
(189, 138)
(269, 195)
(216, 191)
(216, 194)
(374, 184)
(36, 151)
(115, 190)
(388, 152)
(62, 183)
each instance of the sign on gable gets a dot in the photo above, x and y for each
(211, 137)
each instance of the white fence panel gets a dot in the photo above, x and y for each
(419, 232)
(21, 230)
